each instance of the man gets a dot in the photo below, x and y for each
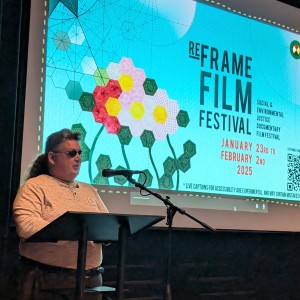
(50, 191)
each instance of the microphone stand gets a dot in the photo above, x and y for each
(171, 211)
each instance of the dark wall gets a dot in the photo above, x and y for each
(221, 265)
(295, 3)
(13, 58)
(205, 266)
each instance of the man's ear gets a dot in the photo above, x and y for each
(51, 158)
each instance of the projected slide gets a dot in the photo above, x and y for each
(201, 99)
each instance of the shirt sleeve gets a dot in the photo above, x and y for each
(27, 210)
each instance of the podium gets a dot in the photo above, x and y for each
(97, 227)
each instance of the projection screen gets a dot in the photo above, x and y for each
(201, 97)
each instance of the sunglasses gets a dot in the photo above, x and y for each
(70, 153)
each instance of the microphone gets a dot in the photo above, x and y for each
(126, 173)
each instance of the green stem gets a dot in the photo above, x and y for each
(153, 165)
(92, 151)
(174, 156)
(126, 160)
(125, 156)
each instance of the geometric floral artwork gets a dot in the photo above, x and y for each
(110, 98)
(126, 108)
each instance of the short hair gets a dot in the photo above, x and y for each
(40, 164)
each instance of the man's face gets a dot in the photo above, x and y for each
(61, 164)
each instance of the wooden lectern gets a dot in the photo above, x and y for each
(97, 227)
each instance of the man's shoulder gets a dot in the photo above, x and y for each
(40, 179)
(84, 185)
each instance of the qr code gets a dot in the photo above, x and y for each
(293, 176)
